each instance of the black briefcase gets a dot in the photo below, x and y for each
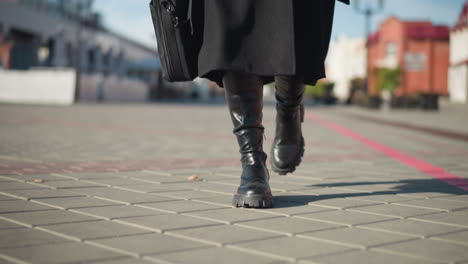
(178, 45)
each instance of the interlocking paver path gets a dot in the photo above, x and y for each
(153, 184)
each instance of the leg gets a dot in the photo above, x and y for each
(288, 145)
(244, 95)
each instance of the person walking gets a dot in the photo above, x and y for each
(249, 43)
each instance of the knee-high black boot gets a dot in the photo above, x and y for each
(244, 94)
(288, 144)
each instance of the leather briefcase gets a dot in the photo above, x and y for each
(177, 43)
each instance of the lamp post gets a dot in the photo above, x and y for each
(368, 11)
(78, 52)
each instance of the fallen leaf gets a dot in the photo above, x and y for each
(38, 180)
(193, 178)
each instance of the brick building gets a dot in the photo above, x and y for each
(418, 48)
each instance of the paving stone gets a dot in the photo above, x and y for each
(60, 253)
(75, 202)
(122, 196)
(341, 203)
(5, 186)
(166, 222)
(8, 225)
(49, 217)
(458, 237)
(159, 179)
(458, 198)
(44, 177)
(394, 210)
(224, 200)
(4, 260)
(291, 248)
(70, 184)
(21, 206)
(232, 215)
(289, 209)
(214, 187)
(459, 218)
(114, 181)
(436, 204)
(345, 217)
(354, 236)
(41, 193)
(99, 175)
(411, 227)
(384, 198)
(328, 192)
(181, 206)
(426, 194)
(192, 194)
(119, 211)
(124, 261)
(27, 237)
(429, 249)
(289, 225)
(94, 229)
(150, 244)
(224, 234)
(367, 257)
(157, 188)
(291, 197)
(4, 197)
(215, 255)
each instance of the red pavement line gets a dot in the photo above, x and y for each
(425, 167)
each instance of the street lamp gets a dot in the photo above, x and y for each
(78, 54)
(368, 11)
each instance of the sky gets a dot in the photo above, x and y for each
(132, 17)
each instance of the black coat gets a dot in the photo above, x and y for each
(265, 37)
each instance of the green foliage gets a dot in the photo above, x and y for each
(387, 79)
(321, 90)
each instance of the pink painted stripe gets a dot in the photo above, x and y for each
(427, 168)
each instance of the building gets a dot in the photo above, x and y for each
(340, 71)
(458, 72)
(418, 48)
(58, 34)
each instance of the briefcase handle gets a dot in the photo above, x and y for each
(169, 6)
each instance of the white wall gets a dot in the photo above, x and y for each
(458, 72)
(458, 83)
(458, 46)
(113, 89)
(346, 60)
(38, 86)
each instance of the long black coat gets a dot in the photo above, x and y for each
(265, 37)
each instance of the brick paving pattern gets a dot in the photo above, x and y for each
(110, 184)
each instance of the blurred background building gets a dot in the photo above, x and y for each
(46, 44)
(418, 49)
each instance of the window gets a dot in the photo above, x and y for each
(391, 50)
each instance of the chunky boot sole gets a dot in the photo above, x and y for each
(252, 201)
(292, 167)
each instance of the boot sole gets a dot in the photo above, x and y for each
(252, 201)
(292, 167)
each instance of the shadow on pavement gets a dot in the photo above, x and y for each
(402, 187)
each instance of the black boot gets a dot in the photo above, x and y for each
(288, 145)
(244, 94)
